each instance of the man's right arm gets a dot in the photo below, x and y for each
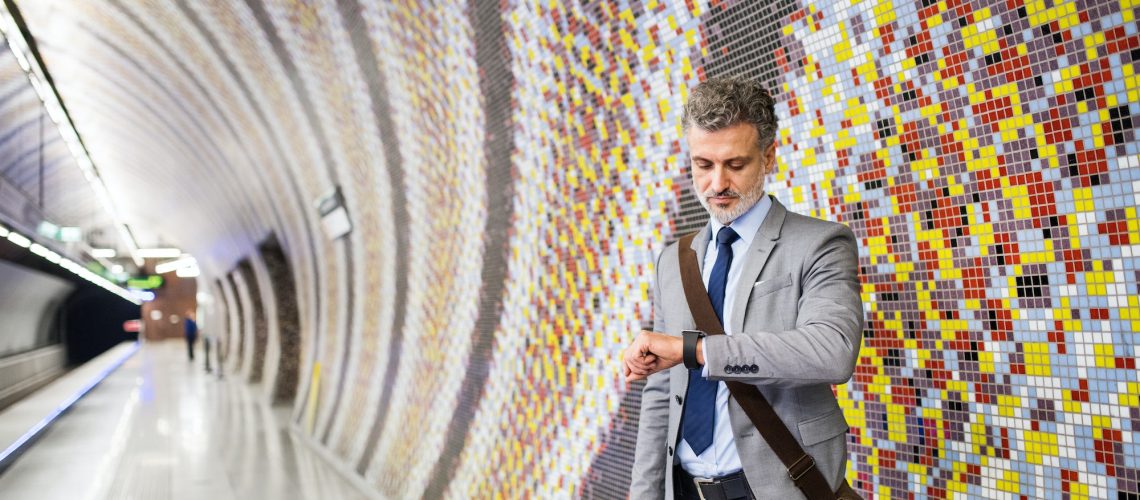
(650, 460)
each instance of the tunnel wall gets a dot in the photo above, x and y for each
(31, 348)
(232, 338)
(512, 178)
(984, 156)
(255, 297)
(29, 301)
(217, 324)
(511, 169)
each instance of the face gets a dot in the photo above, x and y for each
(729, 169)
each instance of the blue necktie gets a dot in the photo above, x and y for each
(700, 405)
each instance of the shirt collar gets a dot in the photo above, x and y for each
(746, 225)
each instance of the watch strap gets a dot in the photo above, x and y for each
(689, 348)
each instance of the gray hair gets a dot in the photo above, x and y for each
(722, 102)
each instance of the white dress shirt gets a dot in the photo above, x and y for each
(721, 458)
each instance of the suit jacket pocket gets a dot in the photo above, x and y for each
(765, 287)
(819, 429)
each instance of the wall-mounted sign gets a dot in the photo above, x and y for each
(66, 234)
(48, 229)
(148, 283)
(334, 215)
(70, 234)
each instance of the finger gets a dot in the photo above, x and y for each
(638, 365)
(644, 370)
(642, 373)
(648, 359)
(643, 348)
(631, 353)
(643, 342)
(643, 365)
(628, 364)
(639, 369)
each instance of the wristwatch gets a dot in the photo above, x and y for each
(689, 348)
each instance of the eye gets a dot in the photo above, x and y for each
(703, 165)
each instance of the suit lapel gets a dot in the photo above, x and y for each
(757, 255)
(700, 245)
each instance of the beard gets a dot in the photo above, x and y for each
(744, 202)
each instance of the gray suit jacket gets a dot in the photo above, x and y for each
(798, 318)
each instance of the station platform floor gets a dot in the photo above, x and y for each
(159, 427)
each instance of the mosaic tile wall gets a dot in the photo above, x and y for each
(512, 169)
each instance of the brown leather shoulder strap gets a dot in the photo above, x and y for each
(695, 293)
(801, 466)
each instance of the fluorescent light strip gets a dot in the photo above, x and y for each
(19, 239)
(175, 265)
(188, 272)
(21, 50)
(70, 265)
(45, 252)
(9, 454)
(39, 249)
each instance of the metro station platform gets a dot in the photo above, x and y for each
(158, 427)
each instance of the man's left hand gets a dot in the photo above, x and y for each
(650, 353)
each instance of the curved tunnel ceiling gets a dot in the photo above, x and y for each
(37, 171)
(177, 120)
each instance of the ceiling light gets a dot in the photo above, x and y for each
(188, 272)
(174, 265)
(103, 253)
(37, 77)
(19, 239)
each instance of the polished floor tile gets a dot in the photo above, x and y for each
(161, 428)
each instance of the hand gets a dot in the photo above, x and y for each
(650, 353)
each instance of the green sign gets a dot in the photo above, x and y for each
(148, 283)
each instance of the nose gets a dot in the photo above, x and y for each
(718, 180)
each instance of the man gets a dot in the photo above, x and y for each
(191, 330)
(785, 287)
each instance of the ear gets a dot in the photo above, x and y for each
(769, 159)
